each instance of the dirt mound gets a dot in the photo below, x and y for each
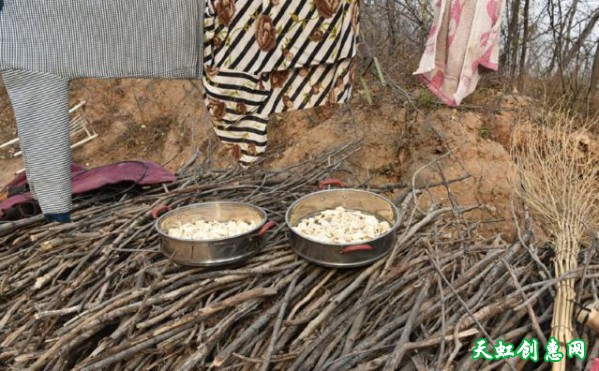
(164, 121)
(402, 147)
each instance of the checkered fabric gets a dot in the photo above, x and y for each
(41, 105)
(91, 38)
(44, 44)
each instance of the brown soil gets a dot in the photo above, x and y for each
(156, 120)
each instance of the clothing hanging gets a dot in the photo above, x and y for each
(270, 56)
(262, 57)
(463, 38)
(44, 44)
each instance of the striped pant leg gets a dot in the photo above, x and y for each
(41, 105)
(246, 137)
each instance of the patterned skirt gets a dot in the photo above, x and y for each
(269, 56)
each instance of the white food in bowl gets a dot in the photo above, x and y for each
(342, 226)
(211, 229)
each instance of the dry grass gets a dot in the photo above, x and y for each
(556, 174)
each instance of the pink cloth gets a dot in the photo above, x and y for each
(464, 37)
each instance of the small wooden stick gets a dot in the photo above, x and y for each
(399, 351)
(277, 326)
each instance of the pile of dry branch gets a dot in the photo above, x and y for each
(97, 293)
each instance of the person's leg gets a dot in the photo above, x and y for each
(41, 105)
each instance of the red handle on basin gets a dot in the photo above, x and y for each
(354, 248)
(330, 182)
(266, 227)
(159, 210)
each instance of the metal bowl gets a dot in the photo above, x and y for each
(342, 255)
(214, 252)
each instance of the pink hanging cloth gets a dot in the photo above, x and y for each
(464, 37)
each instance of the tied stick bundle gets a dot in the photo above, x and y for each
(557, 177)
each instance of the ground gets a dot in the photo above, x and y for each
(164, 122)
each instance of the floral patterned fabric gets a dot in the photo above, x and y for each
(463, 38)
(268, 56)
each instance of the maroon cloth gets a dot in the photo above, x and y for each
(141, 173)
(21, 180)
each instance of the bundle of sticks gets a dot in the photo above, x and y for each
(98, 294)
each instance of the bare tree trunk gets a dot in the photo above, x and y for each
(584, 34)
(503, 58)
(568, 30)
(522, 68)
(551, 14)
(594, 87)
(513, 38)
(392, 31)
(556, 31)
